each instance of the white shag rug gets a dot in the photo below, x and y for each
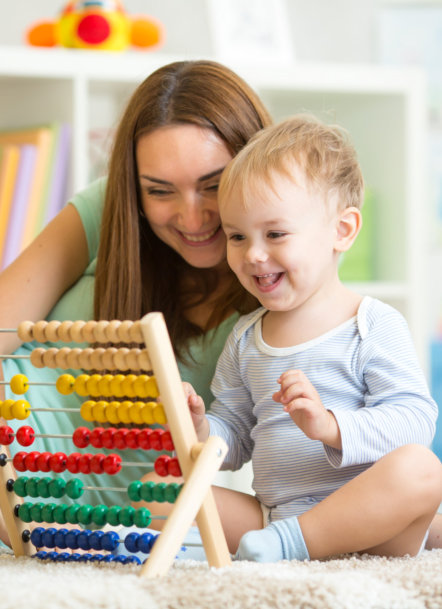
(349, 582)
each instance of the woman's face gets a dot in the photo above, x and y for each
(179, 168)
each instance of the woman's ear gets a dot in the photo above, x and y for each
(349, 223)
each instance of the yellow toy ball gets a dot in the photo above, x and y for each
(21, 410)
(19, 384)
(65, 384)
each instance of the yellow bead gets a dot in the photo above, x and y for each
(99, 411)
(80, 385)
(123, 412)
(86, 410)
(104, 385)
(151, 387)
(65, 384)
(6, 410)
(140, 386)
(127, 386)
(135, 413)
(147, 413)
(19, 384)
(159, 415)
(92, 385)
(111, 412)
(21, 409)
(116, 385)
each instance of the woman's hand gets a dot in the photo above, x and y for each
(198, 412)
(301, 400)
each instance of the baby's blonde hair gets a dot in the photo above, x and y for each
(323, 152)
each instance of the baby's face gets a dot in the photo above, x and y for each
(280, 241)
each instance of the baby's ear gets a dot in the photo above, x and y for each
(348, 225)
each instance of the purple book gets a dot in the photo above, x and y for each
(57, 188)
(17, 218)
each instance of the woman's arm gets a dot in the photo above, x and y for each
(33, 283)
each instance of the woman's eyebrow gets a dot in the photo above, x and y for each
(157, 180)
(203, 178)
(212, 174)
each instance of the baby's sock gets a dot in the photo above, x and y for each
(280, 540)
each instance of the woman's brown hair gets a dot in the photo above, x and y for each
(137, 272)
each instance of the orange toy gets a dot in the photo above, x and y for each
(101, 24)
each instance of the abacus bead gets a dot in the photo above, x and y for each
(84, 359)
(127, 516)
(112, 331)
(116, 385)
(48, 538)
(65, 384)
(44, 462)
(24, 331)
(36, 536)
(39, 331)
(99, 411)
(144, 362)
(142, 518)
(81, 437)
(20, 486)
(83, 539)
(159, 491)
(120, 439)
(31, 461)
(135, 333)
(57, 487)
(147, 490)
(131, 542)
(109, 541)
(24, 511)
(80, 386)
(107, 359)
(97, 463)
(131, 438)
(99, 514)
(133, 490)
(124, 331)
(20, 410)
(120, 358)
(132, 359)
(60, 539)
(171, 492)
(143, 439)
(92, 385)
(166, 441)
(95, 540)
(155, 439)
(85, 515)
(159, 415)
(43, 487)
(128, 385)
(18, 461)
(101, 331)
(63, 557)
(51, 330)
(123, 412)
(174, 468)
(6, 410)
(111, 413)
(108, 437)
(89, 331)
(61, 358)
(36, 511)
(76, 331)
(71, 514)
(58, 462)
(135, 413)
(71, 538)
(36, 358)
(113, 515)
(32, 487)
(104, 385)
(61, 514)
(74, 488)
(86, 410)
(96, 358)
(19, 384)
(42, 555)
(73, 463)
(151, 387)
(25, 435)
(96, 437)
(112, 464)
(140, 385)
(47, 512)
(146, 413)
(84, 463)
(145, 542)
(6, 435)
(64, 331)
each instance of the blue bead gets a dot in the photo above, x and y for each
(60, 539)
(41, 555)
(133, 559)
(108, 558)
(62, 557)
(52, 555)
(145, 542)
(83, 539)
(74, 557)
(95, 540)
(131, 542)
(48, 537)
(110, 541)
(96, 558)
(71, 539)
(85, 557)
(36, 536)
(121, 559)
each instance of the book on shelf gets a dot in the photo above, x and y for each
(9, 161)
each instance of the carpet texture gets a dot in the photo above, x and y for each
(343, 583)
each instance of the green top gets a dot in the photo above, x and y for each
(77, 303)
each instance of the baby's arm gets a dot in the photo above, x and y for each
(198, 412)
(301, 400)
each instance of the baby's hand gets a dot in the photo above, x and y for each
(301, 400)
(197, 411)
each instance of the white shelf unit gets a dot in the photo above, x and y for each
(384, 110)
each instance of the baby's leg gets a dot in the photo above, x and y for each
(435, 535)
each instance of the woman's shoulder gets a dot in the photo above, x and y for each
(89, 203)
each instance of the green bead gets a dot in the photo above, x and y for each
(99, 514)
(72, 513)
(113, 515)
(142, 518)
(32, 487)
(60, 514)
(85, 514)
(133, 490)
(74, 488)
(158, 492)
(24, 511)
(20, 486)
(43, 487)
(57, 487)
(36, 511)
(146, 491)
(47, 513)
(127, 516)
(171, 492)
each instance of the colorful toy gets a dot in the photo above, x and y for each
(97, 24)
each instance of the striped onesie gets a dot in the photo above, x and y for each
(365, 371)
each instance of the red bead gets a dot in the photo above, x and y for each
(166, 441)
(161, 465)
(73, 463)
(84, 463)
(58, 462)
(6, 435)
(25, 435)
(97, 437)
(155, 439)
(108, 437)
(31, 461)
(143, 439)
(44, 462)
(174, 468)
(131, 438)
(19, 461)
(81, 437)
(97, 463)
(112, 464)
(120, 439)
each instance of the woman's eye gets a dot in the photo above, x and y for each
(212, 188)
(158, 192)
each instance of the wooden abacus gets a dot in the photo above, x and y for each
(198, 462)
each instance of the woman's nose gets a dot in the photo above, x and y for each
(192, 213)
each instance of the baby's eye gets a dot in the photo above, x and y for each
(236, 237)
(274, 234)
